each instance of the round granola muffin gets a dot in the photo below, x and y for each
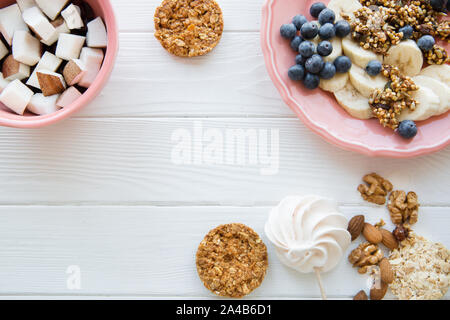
(188, 28)
(232, 260)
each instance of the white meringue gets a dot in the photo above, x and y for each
(308, 232)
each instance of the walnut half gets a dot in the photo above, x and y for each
(365, 255)
(376, 188)
(403, 207)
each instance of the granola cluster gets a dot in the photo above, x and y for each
(376, 25)
(388, 103)
(421, 269)
(188, 28)
(232, 260)
(437, 55)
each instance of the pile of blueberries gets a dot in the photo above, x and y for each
(310, 66)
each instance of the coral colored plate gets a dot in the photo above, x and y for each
(320, 111)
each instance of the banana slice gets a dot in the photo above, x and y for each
(358, 55)
(353, 102)
(439, 88)
(438, 72)
(334, 84)
(428, 105)
(344, 6)
(364, 83)
(336, 42)
(406, 56)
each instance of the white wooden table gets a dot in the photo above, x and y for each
(102, 191)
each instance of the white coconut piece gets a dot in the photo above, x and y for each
(96, 35)
(3, 82)
(11, 21)
(39, 23)
(51, 8)
(26, 4)
(48, 62)
(72, 16)
(26, 48)
(60, 27)
(68, 97)
(4, 51)
(14, 70)
(42, 105)
(69, 46)
(93, 59)
(16, 96)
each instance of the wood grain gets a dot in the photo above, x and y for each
(150, 251)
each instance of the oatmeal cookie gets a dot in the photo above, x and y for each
(232, 260)
(188, 28)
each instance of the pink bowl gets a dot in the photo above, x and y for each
(103, 9)
(320, 111)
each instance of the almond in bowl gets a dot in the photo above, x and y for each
(57, 49)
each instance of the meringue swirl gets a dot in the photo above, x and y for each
(308, 232)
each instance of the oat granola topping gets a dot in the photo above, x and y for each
(421, 269)
(188, 28)
(388, 103)
(232, 260)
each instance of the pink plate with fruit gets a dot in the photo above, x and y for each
(320, 111)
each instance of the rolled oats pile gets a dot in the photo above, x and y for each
(188, 28)
(421, 269)
(232, 260)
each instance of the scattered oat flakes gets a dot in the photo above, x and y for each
(232, 260)
(188, 28)
(421, 269)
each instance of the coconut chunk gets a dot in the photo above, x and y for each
(11, 21)
(16, 96)
(42, 105)
(3, 82)
(92, 59)
(51, 82)
(39, 23)
(14, 70)
(48, 62)
(3, 50)
(68, 97)
(26, 48)
(74, 71)
(72, 16)
(96, 36)
(61, 27)
(69, 46)
(51, 8)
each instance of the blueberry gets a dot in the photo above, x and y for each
(288, 31)
(316, 9)
(327, 31)
(373, 68)
(328, 71)
(314, 64)
(311, 81)
(326, 16)
(324, 48)
(426, 42)
(407, 32)
(342, 28)
(299, 59)
(309, 30)
(299, 20)
(307, 49)
(407, 129)
(437, 5)
(296, 42)
(296, 72)
(342, 64)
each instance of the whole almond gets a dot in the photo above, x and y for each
(355, 226)
(389, 240)
(378, 292)
(372, 234)
(386, 272)
(361, 296)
